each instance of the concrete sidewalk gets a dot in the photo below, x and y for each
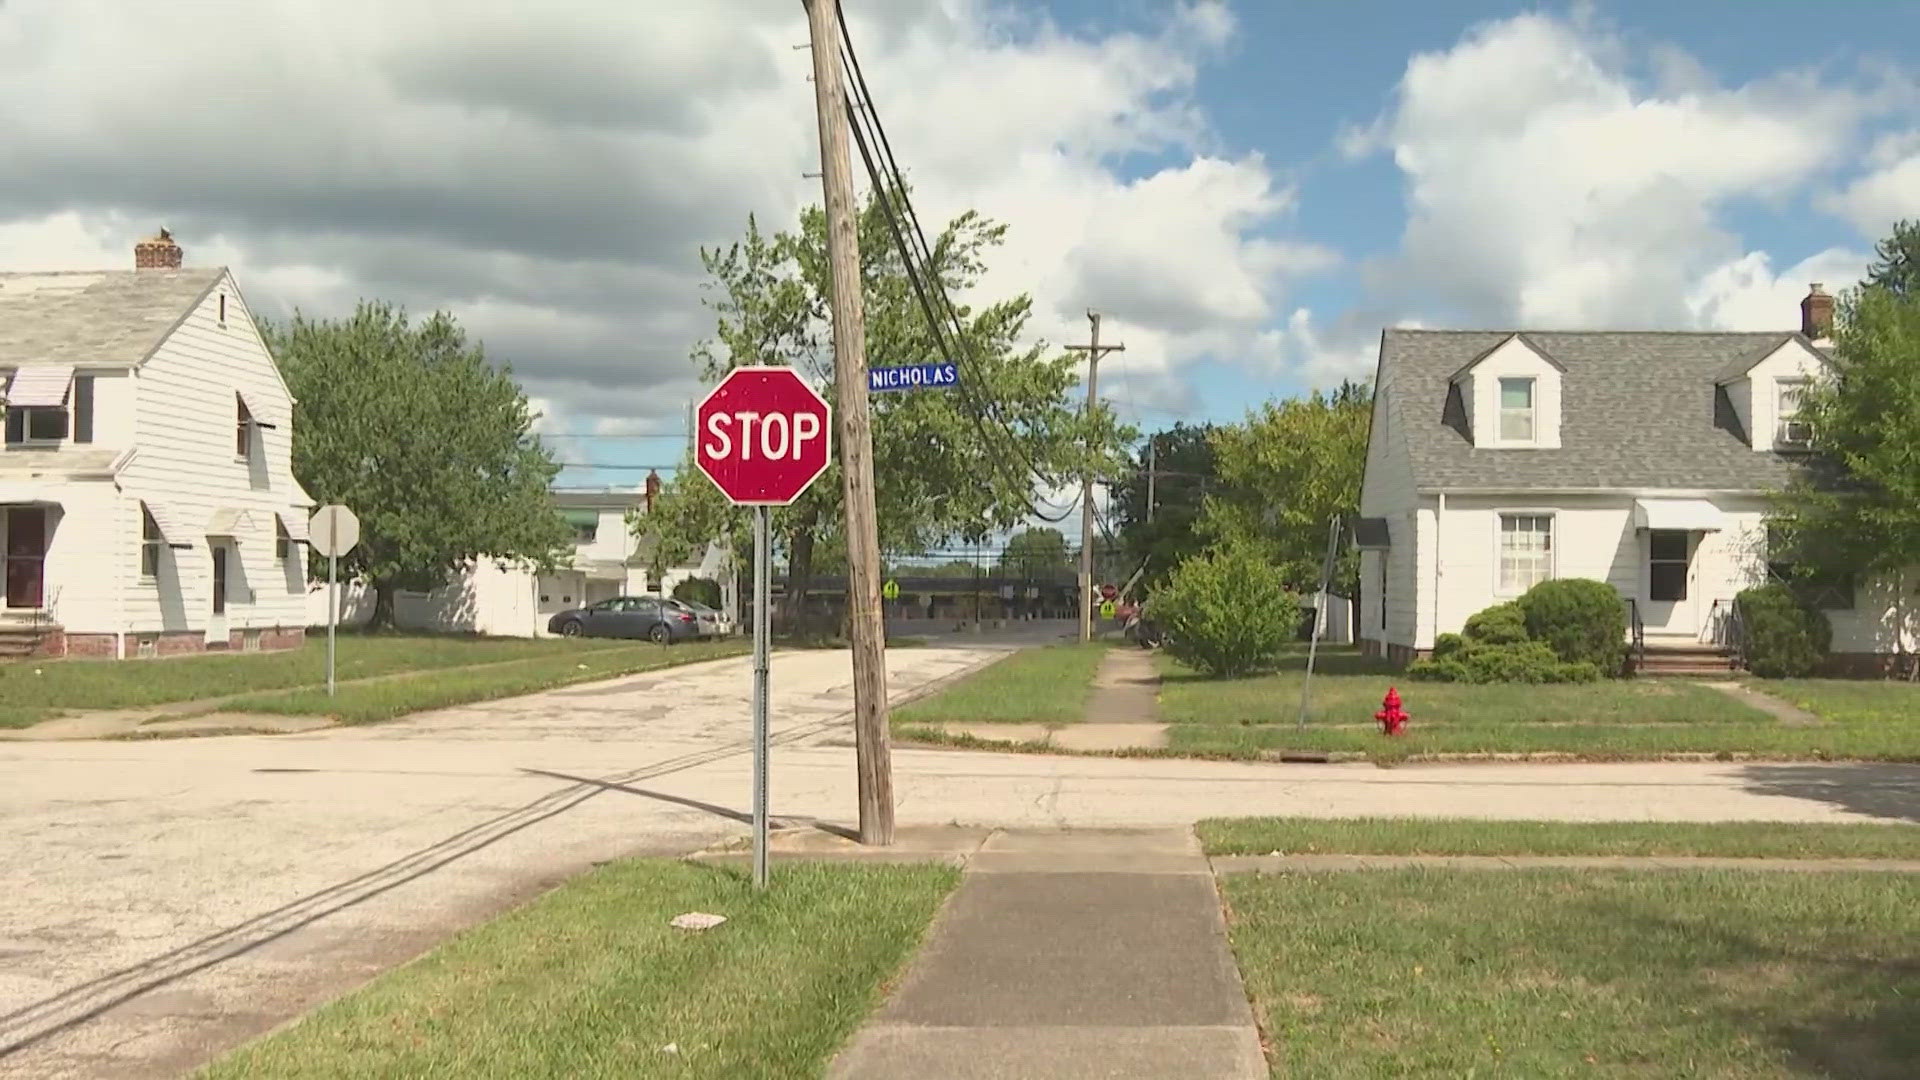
(1074, 954)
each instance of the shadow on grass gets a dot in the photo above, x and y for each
(1882, 791)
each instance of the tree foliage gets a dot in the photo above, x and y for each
(956, 464)
(411, 427)
(1166, 534)
(1225, 612)
(1036, 553)
(1854, 505)
(1284, 473)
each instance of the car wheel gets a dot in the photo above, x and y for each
(571, 628)
(660, 635)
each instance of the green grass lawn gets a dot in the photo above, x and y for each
(1624, 719)
(590, 981)
(1546, 973)
(385, 699)
(1849, 700)
(1047, 685)
(1454, 836)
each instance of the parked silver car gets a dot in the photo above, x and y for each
(708, 622)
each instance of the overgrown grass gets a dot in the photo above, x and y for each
(385, 699)
(1045, 685)
(1849, 701)
(1453, 836)
(31, 691)
(1566, 973)
(590, 981)
(1609, 720)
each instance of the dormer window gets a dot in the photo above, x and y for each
(1516, 410)
(1791, 430)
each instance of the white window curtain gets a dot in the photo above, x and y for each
(1526, 551)
(1516, 410)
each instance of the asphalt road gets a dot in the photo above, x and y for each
(161, 901)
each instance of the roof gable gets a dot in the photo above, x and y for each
(1529, 343)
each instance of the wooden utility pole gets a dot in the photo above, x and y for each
(1153, 443)
(1094, 351)
(855, 434)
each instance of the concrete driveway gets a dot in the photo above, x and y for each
(162, 901)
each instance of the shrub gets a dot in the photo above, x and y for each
(1785, 638)
(1227, 612)
(1509, 662)
(1447, 645)
(1501, 624)
(698, 590)
(1581, 619)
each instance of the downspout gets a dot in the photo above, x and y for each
(1439, 513)
(119, 582)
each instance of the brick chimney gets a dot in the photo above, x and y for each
(1816, 314)
(157, 253)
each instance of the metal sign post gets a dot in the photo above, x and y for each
(333, 531)
(762, 601)
(1319, 614)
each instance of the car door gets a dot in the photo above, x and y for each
(646, 613)
(600, 619)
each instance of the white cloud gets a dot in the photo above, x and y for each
(1547, 187)
(1745, 294)
(1889, 193)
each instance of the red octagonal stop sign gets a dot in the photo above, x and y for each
(762, 435)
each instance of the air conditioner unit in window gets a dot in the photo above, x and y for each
(1796, 432)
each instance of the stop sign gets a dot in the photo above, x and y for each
(762, 436)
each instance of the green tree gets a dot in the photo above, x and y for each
(1853, 508)
(410, 426)
(1036, 553)
(1897, 266)
(1284, 473)
(1165, 534)
(958, 464)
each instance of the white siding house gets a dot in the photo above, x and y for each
(146, 488)
(510, 599)
(1499, 459)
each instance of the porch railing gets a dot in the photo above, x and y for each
(1637, 632)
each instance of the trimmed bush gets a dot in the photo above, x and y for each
(698, 590)
(1447, 645)
(1784, 638)
(1227, 612)
(1501, 624)
(1582, 620)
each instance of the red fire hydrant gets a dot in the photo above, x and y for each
(1391, 716)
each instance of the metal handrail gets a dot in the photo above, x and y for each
(1638, 630)
(1736, 634)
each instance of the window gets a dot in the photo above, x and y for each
(243, 428)
(585, 534)
(1526, 551)
(1668, 553)
(150, 543)
(223, 309)
(282, 543)
(83, 408)
(1516, 410)
(1791, 430)
(36, 424)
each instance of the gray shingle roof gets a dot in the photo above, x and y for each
(102, 318)
(1638, 410)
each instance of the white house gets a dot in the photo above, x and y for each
(513, 600)
(147, 496)
(1498, 459)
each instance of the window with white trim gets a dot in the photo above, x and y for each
(1516, 410)
(1526, 551)
(1790, 398)
(282, 542)
(243, 428)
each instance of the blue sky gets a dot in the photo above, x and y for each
(1249, 190)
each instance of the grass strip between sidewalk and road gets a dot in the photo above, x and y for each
(1581, 973)
(590, 981)
(36, 690)
(1850, 701)
(1048, 685)
(385, 699)
(1459, 836)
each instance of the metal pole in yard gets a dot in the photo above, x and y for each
(1319, 616)
(333, 612)
(762, 596)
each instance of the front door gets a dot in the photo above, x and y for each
(1668, 605)
(217, 624)
(26, 548)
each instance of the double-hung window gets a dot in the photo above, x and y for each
(1516, 410)
(1526, 551)
(150, 543)
(1791, 395)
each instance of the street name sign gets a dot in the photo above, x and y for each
(913, 376)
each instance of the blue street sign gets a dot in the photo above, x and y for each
(913, 377)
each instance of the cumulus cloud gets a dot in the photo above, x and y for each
(549, 172)
(1548, 186)
(1888, 193)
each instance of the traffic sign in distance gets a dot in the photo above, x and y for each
(333, 531)
(762, 436)
(1108, 609)
(890, 591)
